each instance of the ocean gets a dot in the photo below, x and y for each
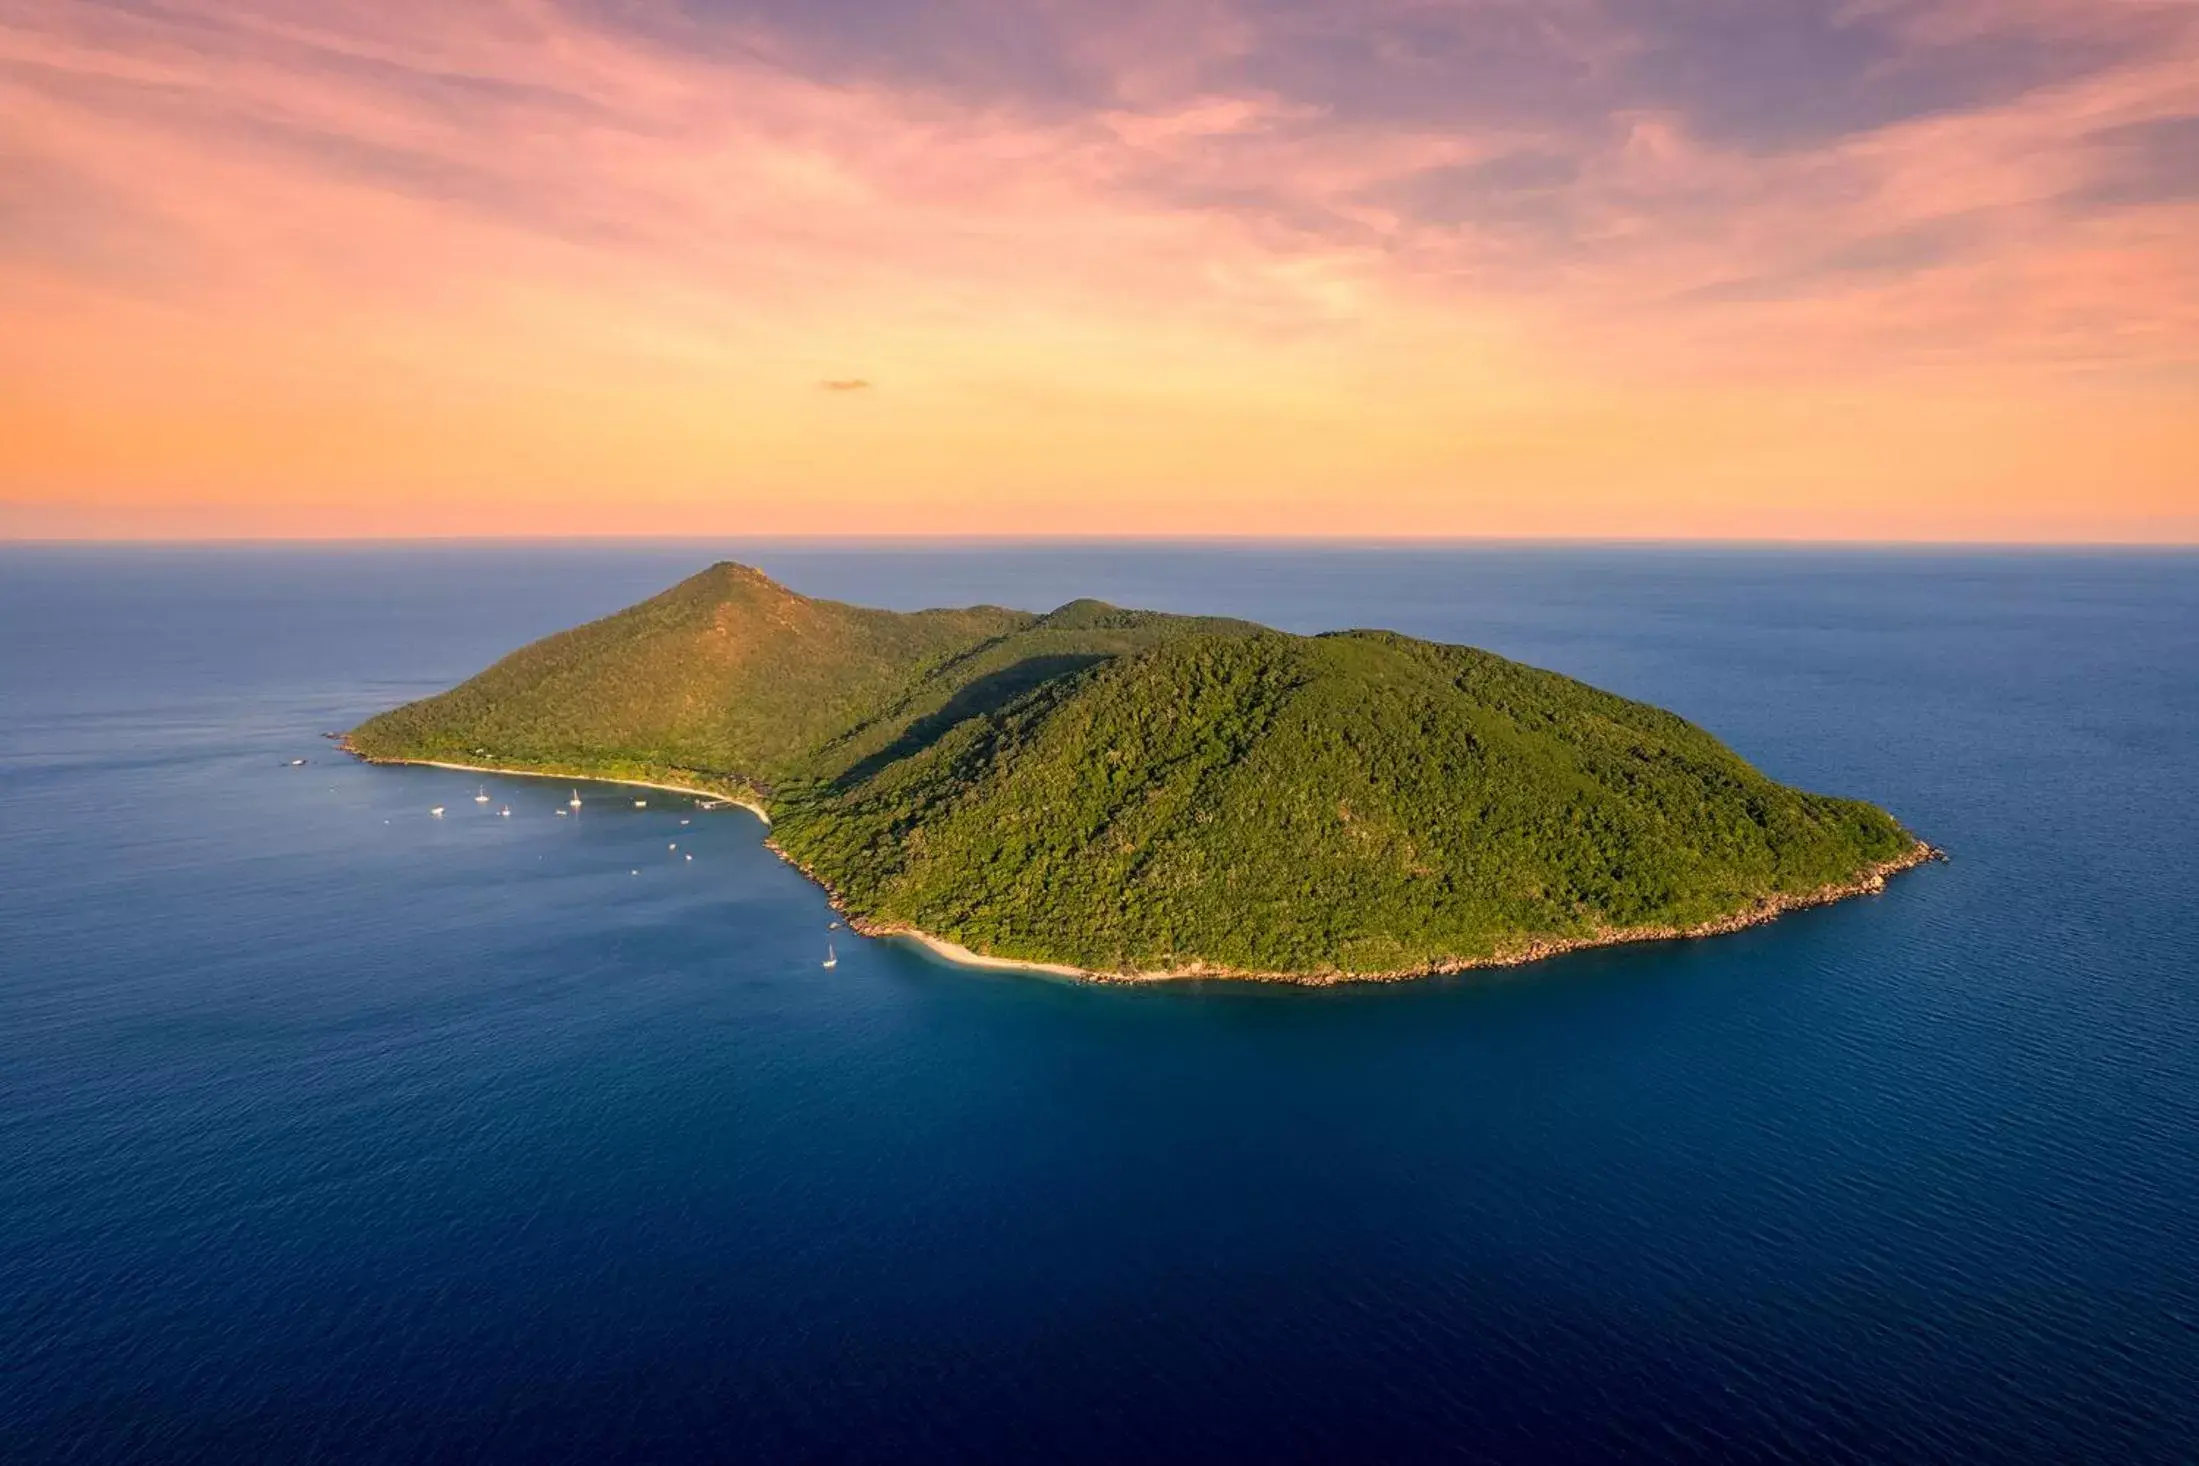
(331, 1131)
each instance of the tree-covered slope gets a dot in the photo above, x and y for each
(1360, 802)
(1126, 791)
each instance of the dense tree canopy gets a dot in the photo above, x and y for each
(1123, 790)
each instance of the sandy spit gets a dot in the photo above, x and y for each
(433, 763)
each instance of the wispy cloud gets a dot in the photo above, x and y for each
(501, 248)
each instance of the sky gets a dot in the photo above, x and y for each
(1755, 269)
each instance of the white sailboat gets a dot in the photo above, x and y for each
(575, 800)
(481, 795)
(832, 958)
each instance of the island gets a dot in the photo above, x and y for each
(1123, 794)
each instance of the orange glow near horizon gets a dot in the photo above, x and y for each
(536, 267)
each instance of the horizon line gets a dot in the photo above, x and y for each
(947, 540)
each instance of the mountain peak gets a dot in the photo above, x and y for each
(732, 574)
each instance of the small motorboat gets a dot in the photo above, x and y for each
(297, 763)
(673, 846)
(641, 804)
(563, 812)
(505, 812)
(436, 812)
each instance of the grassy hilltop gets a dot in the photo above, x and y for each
(1129, 791)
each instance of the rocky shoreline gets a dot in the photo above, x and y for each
(1766, 908)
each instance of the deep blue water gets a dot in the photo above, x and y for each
(330, 1131)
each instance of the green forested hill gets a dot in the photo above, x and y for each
(1127, 791)
(727, 672)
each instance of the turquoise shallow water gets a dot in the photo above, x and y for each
(331, 1131)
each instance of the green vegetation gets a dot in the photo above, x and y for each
(1128, 791)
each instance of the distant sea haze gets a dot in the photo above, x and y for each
(336, 1130)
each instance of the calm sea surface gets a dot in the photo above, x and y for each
(329, 1131)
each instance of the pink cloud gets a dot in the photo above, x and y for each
(521, 116)
(263, 195)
